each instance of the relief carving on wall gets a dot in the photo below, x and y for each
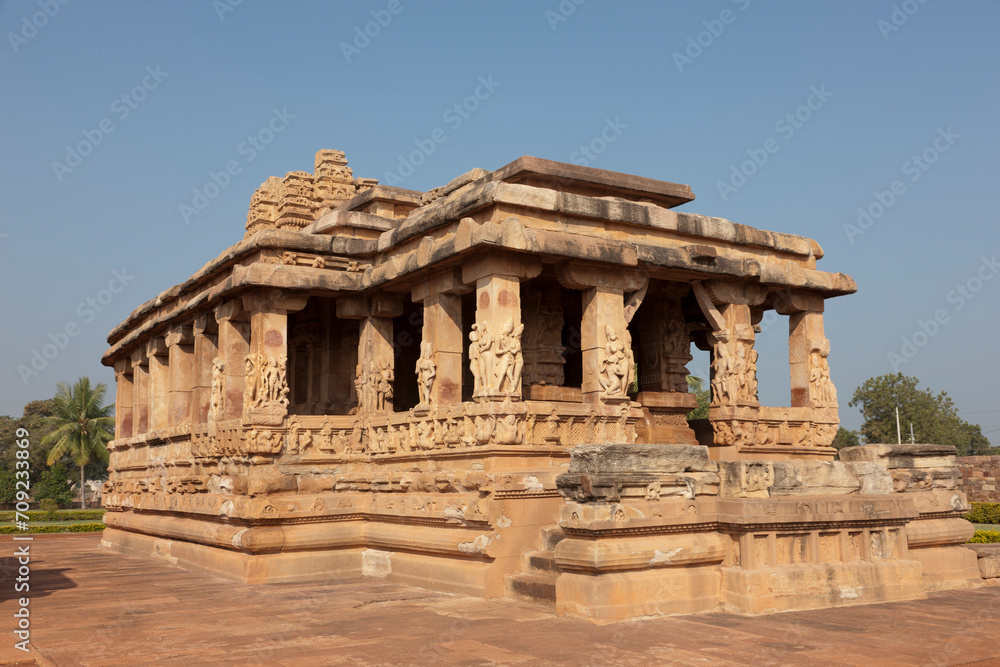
(266, 382)
(496, 361)
(821, 389)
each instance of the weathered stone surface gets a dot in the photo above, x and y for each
(615, 458)
(875, 478)
(813, 478)
(989, 559)
(902, 456)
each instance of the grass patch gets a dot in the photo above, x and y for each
(61, 515)
(57, 527)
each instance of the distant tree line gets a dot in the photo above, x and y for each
(68, 442)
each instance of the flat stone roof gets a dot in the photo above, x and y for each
(92, 607)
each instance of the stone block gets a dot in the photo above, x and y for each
(653, 458)
(989, 559)
(793, 478)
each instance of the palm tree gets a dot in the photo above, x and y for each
(695, 384)
(83, 427)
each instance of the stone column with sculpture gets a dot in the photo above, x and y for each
(439, 368)
(605, 341)
(265, 396)
(375, 373)
(735, 408)
(495, 353)
(808, 353)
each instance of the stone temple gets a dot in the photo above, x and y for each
(481, 389)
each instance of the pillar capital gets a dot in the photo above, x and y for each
(788, 302)
(501, 264)
(157, 347)
(274, 301)
(448, 281)
(231, 310)
(180, 335)
(723, 292)
(580, 276)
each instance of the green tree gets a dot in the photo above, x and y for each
(54, 485)
(934, 416)
(8, 484)
(697, 387)
(83, 427)
(33, 421)
(845, 438)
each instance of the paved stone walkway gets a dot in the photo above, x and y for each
(90, 607)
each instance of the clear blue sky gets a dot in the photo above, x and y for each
(889, 90)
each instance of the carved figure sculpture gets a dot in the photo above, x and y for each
(507, 358)
(426, 372)
(613, 365)
(218, 382)
(383, 388)
(475, 360)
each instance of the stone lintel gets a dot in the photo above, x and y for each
(360, 306)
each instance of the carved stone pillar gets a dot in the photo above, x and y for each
(735, 408)
(808, 349)
(495, 341)
(124, 395)
(265, 399)
(180, 346)
(206, 350)
(229, 373)
(140, 392)
(809, 367)
(376, 372)
(439, 370)
(159, 364)
(605, 342)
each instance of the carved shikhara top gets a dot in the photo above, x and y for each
(299, 198)
(540, 306)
